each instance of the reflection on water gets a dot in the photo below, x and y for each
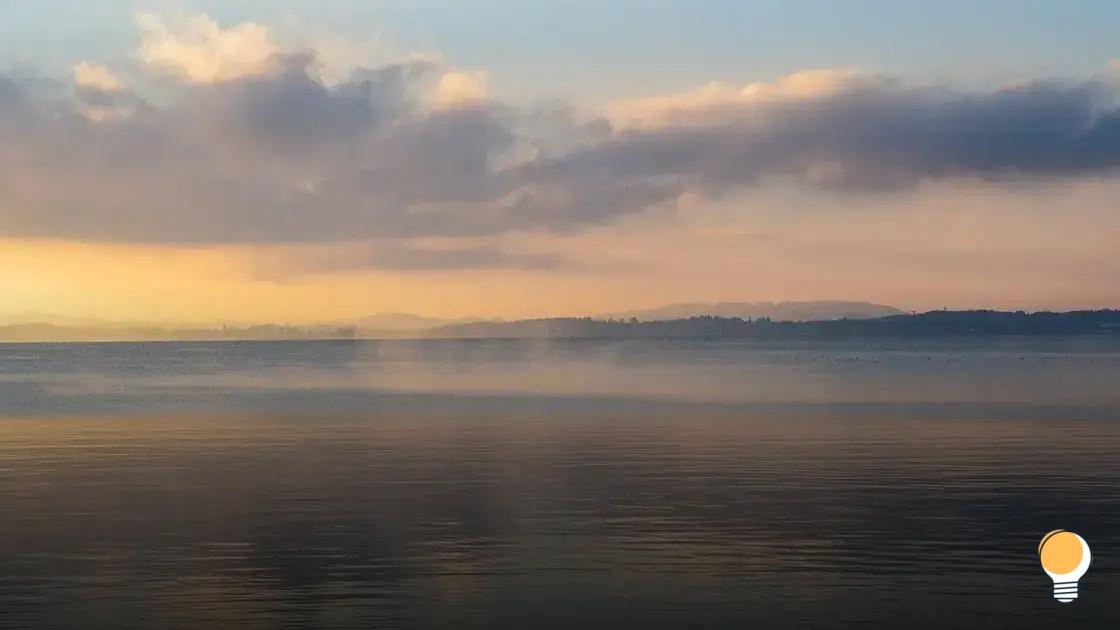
(504, 484)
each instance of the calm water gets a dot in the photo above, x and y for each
(581, 484)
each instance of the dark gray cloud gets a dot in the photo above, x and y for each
(284, 158)
(871, 136)
(289, 112)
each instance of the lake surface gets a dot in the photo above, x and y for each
(534, 484)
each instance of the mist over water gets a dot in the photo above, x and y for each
(555, 484)
(37, 378)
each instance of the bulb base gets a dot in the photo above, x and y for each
(1065, 592)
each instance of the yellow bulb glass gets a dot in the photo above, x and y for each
(1060, 552)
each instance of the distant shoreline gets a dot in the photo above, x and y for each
(934, 324)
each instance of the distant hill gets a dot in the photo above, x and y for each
(401, 322)
(782, 311)
(936, 323)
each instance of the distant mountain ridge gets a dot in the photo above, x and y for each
(931, 324)
(781, 311)
(784, 311)
(403, 322)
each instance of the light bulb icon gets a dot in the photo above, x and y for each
(1065, 558)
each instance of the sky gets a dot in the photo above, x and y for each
(299, 161)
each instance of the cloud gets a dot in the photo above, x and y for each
(197, 48)
(713, 98)
(99, 95)
(458, 88)
(273, 158)
(860, 132)
(291, 114)
(255, 147)
(95, 76)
